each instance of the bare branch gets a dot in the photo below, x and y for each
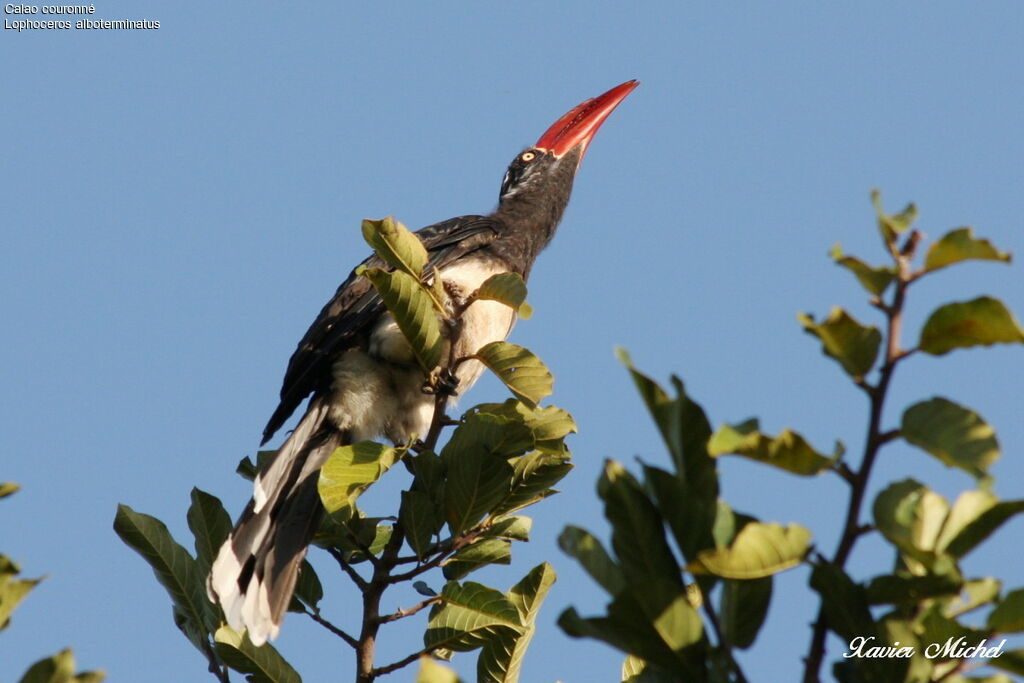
(352, 642)
(402, 613)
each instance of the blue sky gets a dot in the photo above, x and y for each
(178, 204)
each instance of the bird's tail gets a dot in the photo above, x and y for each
(255, 571)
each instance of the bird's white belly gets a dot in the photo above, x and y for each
(379, 391)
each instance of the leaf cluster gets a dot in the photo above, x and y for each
(727, 558)
(678, 549)
(59, 668)
(458, 513)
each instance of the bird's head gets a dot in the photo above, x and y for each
(549, 166)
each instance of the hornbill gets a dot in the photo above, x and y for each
(363, 379)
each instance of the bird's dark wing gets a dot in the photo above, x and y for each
(355, 306)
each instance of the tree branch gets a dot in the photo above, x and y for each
(403, 613)
(358, 580)
(875, 439)
(352, 642)
(722, 642)
(404, 662)
(218, 669)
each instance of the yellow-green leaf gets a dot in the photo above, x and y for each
(396, 245)
(484, 552)
(349, 471)
(7, 488)
(1008, 616)
(853, 345)
(12, 591)
(414, 312)
(501, 658)
(468, 615)
(432, 671)
(981, 322)
(874, 279)
(521, 371)
(60, 668)
(955, 435)
(911, 516)
(892, 225)
(788, 451)
(264, 664)
(961, 245)
(509, 289)
(758, 550)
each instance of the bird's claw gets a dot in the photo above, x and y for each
(442, 382)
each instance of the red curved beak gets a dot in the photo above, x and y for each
(578, 126)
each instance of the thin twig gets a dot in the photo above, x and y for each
(219, 670)
(352, 642)
(401, 663)
(722, 642)
(358, 580)
(403, 613)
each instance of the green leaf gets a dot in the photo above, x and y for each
(349, 471)
(175, 569)
(974, 594)
(874, 279)
(1008, 616)
(477, 482)
(7, 488)
(628, 628)
(468, 616)
(891, 589)
(523, 373)
(509, 289)
(588, 551)
(684, 427)
(12, 591)
(395, 245)
(417, 517)
(788, 451)
(515, 528)
(955, 435)
(480, 554)
(892, 225)
(263, 664)
(415, 314)
(983, 526)
(981, 322)
(434, 672)
(758, 550)
(549, 425)
(308, 590)
(502, 657)
(690, 515)
(533, 475)
(961, 245)
(968, 507)
(60, 668)
(911, 516)
(1012, 661)
(845, 602)
(853, 345)
(744, 606)
(638, 533)
(494, 435)
(636, 670)
(210, 525)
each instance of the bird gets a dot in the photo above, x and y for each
(355, 367)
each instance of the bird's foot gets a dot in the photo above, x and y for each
(442, 382)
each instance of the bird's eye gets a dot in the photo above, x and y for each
(528, 156)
